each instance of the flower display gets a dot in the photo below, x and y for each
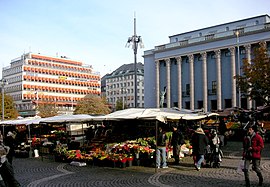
(113, 152)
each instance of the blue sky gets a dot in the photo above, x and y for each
(96, 31)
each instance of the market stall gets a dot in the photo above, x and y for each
(135, 125)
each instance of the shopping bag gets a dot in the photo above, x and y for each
(241, 165)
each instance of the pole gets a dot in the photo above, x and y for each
(37, 103)
(238, 64)
(135, 40)
(3, 106)
(156, 137)
(123, 105)
(3, 102)
(135, 64)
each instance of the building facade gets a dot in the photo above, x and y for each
(119, 86)
(35, 79)
(196, 69)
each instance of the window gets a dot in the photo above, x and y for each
(188, 89)
(227, 28)
(209, 36)
(228, 103)
(183, 42)
(214, 85)
(200, 104)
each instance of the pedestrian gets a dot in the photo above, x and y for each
(6, 169)
(177, 141)
(261, 130)
(199, 143)
(10, 142)
(161, 149)
(1, 137)
(253, 145)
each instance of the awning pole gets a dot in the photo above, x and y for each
(156, 146)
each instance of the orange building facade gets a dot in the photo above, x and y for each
(35, 79)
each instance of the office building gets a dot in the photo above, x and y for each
(119, 86)
(35, 79)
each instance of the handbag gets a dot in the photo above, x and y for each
(241, 166)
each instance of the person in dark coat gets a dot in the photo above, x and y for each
(199, 142)
(6, 169)
(177, 141)
(10, 142)
(161, 149)
(253, 145)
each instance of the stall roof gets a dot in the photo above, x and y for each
(160, 114)
(67, 118)
(24, 121)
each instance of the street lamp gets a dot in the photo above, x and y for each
(134, 41)
(237, 33)
(3, 83)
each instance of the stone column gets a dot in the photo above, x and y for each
(157, 83)
(179, 70)
(233, 74)
(218, 64)
(248, 56)
(204, 81)
(168, 70)
(191, 77)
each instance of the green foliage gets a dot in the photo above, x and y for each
(119, 105)
(93, 105)
(255, 80)
(47, 110)
(10, 111)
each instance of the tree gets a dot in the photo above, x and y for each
(92, 104)
(255, 80)
(119, 105)
(10, 112)
(47, 109)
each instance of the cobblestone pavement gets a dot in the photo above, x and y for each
(33, 172)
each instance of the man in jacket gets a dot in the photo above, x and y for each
(161, 149)
(253, 145)
(6, 169)
(176, 141)
(199, 143)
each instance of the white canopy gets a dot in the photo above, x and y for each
(24, 121)
(160, 114)
(67, 118)
(54, 119)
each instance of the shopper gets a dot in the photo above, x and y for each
(161, 149)
(6, 169)
(177, 141)
(199, 142)
(253, 145)
(10, 142)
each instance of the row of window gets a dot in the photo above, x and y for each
(60, 81)
(123, 78)
(59, 66)
(28, 107)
